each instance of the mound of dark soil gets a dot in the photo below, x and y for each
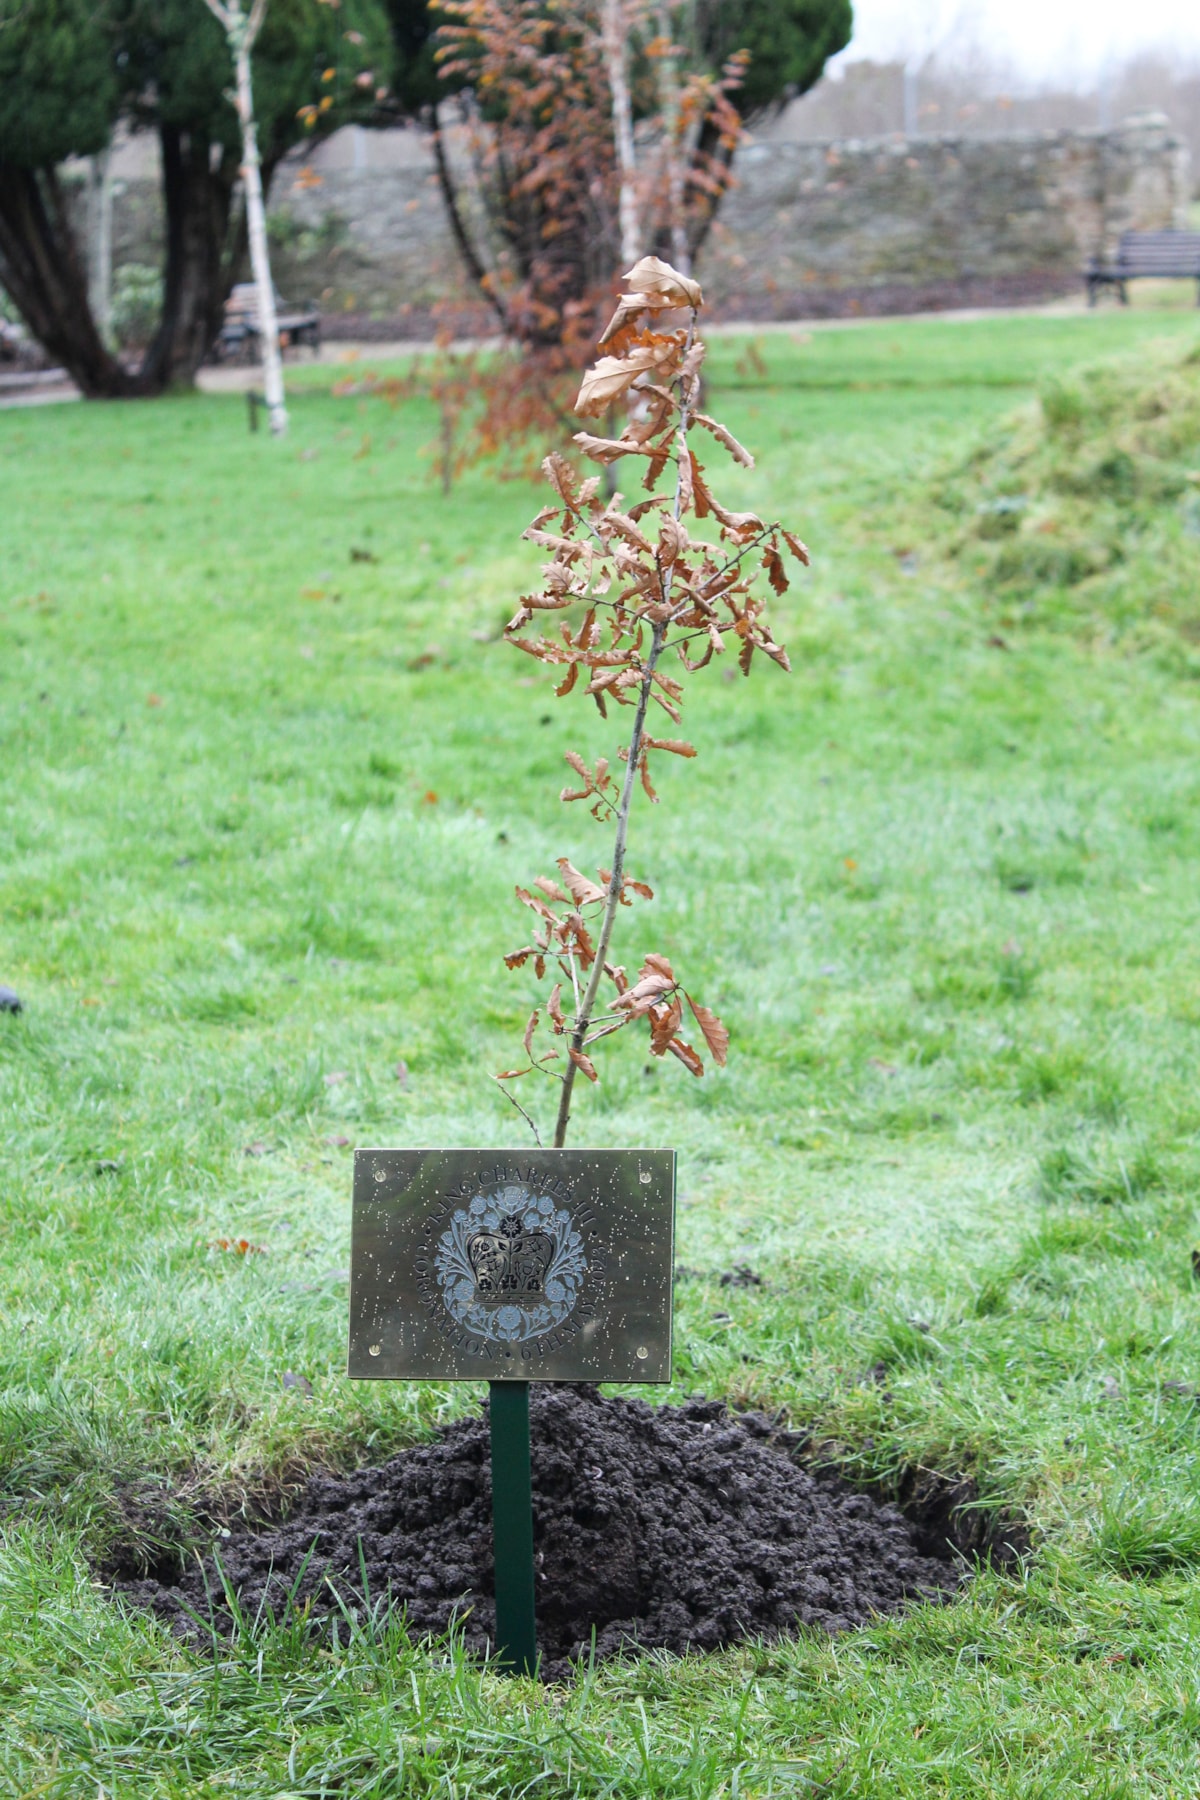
(682, 1527)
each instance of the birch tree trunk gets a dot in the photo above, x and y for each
(100, 214)
(242, 31)
(616, 54)
(668, 91)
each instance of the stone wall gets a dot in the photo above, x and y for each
(873, 218)
(880, 225)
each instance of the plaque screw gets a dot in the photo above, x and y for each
(381, 1174)
(642, 1352)
(375, 1349)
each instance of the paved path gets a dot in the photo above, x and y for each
(53, 385)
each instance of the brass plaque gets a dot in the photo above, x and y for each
(482, 1264)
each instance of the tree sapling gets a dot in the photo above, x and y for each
(649, 592)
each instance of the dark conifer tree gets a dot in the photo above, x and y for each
(70, 70)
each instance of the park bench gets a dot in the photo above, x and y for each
(297, 324)
(1171, 255)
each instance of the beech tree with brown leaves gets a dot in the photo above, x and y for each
(652, 595)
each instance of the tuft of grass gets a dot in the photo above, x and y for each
(1085, 510)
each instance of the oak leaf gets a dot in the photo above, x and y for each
(583, 891)
(554, 1008)
(658, 280)
(798, 550)
(686, 1055)
(776, 574)
(738, 451)
(550, 888)
(716, 1036)
(612, 376)
(583, 1063)
(561, 476)
(527, 1040)
(664, 1023)
(607, 450)
(677, 746)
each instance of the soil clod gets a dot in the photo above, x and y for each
(682, 1528)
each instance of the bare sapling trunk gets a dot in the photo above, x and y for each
(616, 59)
(241, 31)
(663, 594)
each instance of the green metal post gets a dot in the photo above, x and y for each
(512, 1527)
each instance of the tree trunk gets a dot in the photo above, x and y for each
(616, 56)
(100, 215)
(47, 277)
(201, 258)
(256, 225)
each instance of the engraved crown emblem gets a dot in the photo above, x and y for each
(510, 1260)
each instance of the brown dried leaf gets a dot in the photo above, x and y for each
(738, 451)
(583, 1063)
(512, 1074)
(686, 471)
(664, 1023)
(673, 541)
(583, 891)
(715, 1034)
(776, 574)
(628, 530)
(550, 888)
(561, 476)
(518, 958)
(568, 681)
(658, 462)
(607, 450)
(639, 887)
(659, 281)
(532, 901)
(644, 772)
(654, 964)
(554, 1008)
(612, 376)
(527, 1040)
(677, 746)
(687, 1056)
(798, 550)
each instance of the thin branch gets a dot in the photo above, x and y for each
(508, 1095)
(467, 249)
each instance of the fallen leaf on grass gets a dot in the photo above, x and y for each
(238, 1246)
(339, 1143)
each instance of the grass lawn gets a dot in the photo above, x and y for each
(268, 781)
